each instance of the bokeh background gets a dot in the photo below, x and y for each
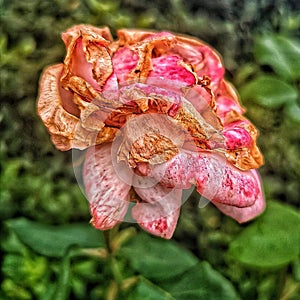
(260, 44)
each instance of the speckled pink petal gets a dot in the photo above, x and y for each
(124, 60)
(167, 67)
(245, 214)
(178, 172)
(107, 194)
(220, 182)
(237, 138)
(213, 176)
(159, 213)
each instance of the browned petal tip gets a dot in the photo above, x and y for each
(84, 29)
(67, 130)
(60, 124)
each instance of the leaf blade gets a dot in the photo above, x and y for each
(53, 241)
(156, 258)
(201, 282)
(280, 53)
(270, 242)
(269, 91)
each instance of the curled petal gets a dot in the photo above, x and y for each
(67, 130)
(222, 183)
(159, 212)
(60, 124)
(214, 178)
(142, 50)
(205, 60)
(240, 142)
(69, 37)
(178, 108)
(245, 214)
(88, 55)
(107, 194)
(132, 36)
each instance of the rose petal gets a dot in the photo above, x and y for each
(214, 178)
(220, 182)
(168, 67)
(227, 105)
(59, 122)
(81, 67)
(88, 55)
(205, 60)
(240, 143)
(159, 215)
(124, 60)
(244, 214)
(237, 138)
(107, 194)
(178, 172)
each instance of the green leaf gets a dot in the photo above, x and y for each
(201, 282)
(280, 53)
(272, 241)
(156, 258)
(293, 112)
(53, 241)
(148, 291)
(268, 91)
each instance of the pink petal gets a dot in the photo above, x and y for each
(159, 213)
(205, 60)
(226, 105)
(244, 214)
(220, 182)
(168, 67)
(107, 194)
(237, 138)
(111, 88)
(210, 66)
(124, 60)
(178, 172)
(213, 176)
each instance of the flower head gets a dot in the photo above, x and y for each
(156, 116)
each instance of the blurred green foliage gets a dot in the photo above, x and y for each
(259, 42)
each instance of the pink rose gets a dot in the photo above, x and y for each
(156, 116)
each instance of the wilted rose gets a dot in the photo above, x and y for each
(156, 116)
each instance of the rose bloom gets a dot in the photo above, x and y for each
(156, 116)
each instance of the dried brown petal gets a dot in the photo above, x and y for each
(84, 42)
(60, 123)
(144, 51)
(153, 148)
(152, 138)
(67, 130)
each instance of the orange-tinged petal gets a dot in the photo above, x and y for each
(60, 124)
